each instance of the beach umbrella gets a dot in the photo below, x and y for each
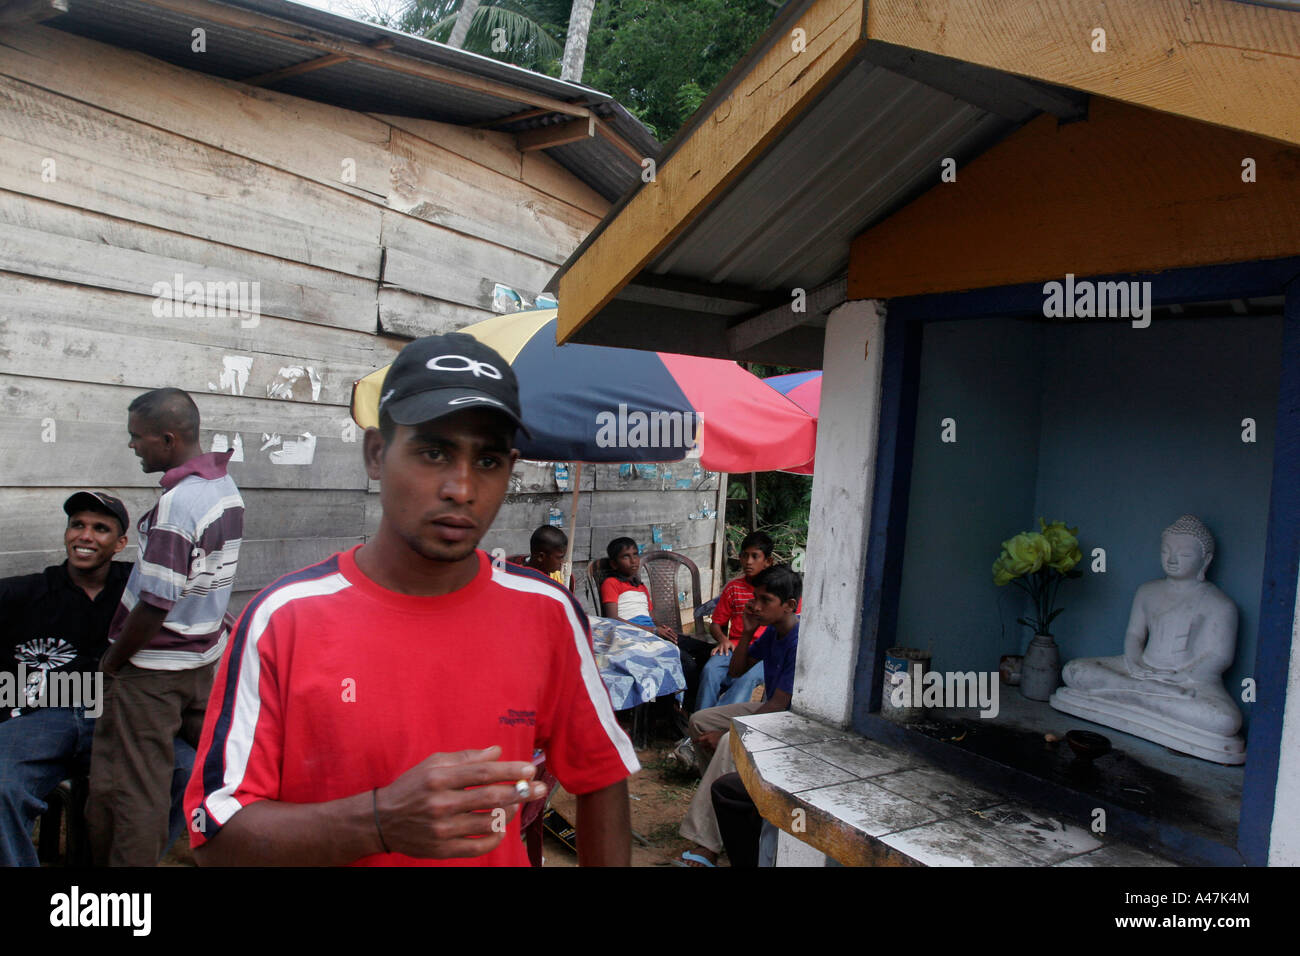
(589, 403)
(805, 390)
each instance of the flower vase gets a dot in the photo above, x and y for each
(1040, 674)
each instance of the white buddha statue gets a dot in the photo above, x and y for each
(1168, 684)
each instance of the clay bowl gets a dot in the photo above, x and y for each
(1087, 745)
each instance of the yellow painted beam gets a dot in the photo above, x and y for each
(1126, 191)
(1220, 61)
(765, 102)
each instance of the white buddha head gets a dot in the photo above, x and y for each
(1186, 549)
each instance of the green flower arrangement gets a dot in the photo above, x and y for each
(1037, 562)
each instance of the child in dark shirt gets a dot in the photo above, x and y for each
(777, 592)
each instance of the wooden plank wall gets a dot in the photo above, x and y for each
(119, 173)
(644, 502)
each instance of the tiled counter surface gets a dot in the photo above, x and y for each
(867, 804)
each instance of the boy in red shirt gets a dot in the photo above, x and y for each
(352, 722)
(623, 596)
(716, 686)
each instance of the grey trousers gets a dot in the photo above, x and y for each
(701, 824)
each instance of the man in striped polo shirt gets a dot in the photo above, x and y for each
(168, 632)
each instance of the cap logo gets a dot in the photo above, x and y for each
(475, 398)
(446, 363)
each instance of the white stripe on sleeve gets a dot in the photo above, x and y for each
(221, 803)
(591, 681)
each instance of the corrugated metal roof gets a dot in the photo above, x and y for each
(235, 52)
(869, 145)
(789, 220)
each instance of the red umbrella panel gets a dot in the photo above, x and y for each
(805, 390)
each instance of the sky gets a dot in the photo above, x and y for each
(353, 8)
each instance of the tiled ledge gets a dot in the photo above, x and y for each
(864, 803)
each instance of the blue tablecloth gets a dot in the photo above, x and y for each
(636, 665)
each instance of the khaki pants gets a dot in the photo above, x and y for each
(701, 825)
(132, 759)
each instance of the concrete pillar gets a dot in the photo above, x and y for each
(840, 517)
(790, 851)
(1284, 839)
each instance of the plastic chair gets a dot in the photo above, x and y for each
(597, 571)
(661, 568)
(66, 802)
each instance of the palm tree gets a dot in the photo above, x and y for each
(458, 33)
(503, 29)
(575, 41)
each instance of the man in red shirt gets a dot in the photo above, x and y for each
(383, 707)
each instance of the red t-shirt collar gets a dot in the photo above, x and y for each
(210, 466)
(475, 592)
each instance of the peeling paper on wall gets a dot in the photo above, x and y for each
(222, 443)
(234, 374)
(299, 450)
(283, 384)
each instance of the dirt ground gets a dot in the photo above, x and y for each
(660, 794)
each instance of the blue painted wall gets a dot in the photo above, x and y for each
(1114, 429)
(967, 496)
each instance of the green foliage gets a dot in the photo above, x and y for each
(532, 37)
(660, 58)
(783, 505)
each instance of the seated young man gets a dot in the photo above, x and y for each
(53, 631)
(717, 686)
(625, 597)
(774, 605)
(546, 551)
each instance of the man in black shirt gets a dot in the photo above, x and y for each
(53, 629)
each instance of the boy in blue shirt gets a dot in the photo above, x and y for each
(717, 686)
(777, 591)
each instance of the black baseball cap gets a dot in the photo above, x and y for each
(441, 374)
(99, 501)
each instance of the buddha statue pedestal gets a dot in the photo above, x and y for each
(1167, 686)
(1141, 722)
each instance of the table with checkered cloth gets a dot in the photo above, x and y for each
(637, 666)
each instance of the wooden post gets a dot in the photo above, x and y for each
(719, 539)
(573, 523)
(753, 502)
